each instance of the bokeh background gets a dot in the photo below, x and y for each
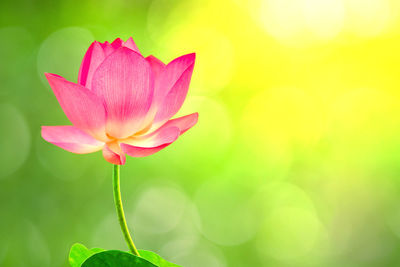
(295, 160)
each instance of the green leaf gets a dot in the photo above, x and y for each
(156, 259)
(79, 253)
(79, 257)
(114, 258)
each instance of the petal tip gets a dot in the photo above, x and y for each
(96, 43)
(195, 119)
(190, 57)
(50, 76)
(117, 43)
(43, 132)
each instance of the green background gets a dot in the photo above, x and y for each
(295, 160)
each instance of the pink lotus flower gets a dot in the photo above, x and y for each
(122, 103)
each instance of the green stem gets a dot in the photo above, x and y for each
(120, 211)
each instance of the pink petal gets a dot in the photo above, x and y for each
(173, 87)
(71, 139)
(82, 107)
(117, 43)
(131, 45)
(112, 156)
(125, 82)
(162, 136)
(157, 67)
(138, 152)
(96, 54)
(92, 59)
(105, 44)
(150, 144)
(107, 48)
(183, 123)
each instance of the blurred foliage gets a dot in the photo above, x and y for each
(294, 162)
